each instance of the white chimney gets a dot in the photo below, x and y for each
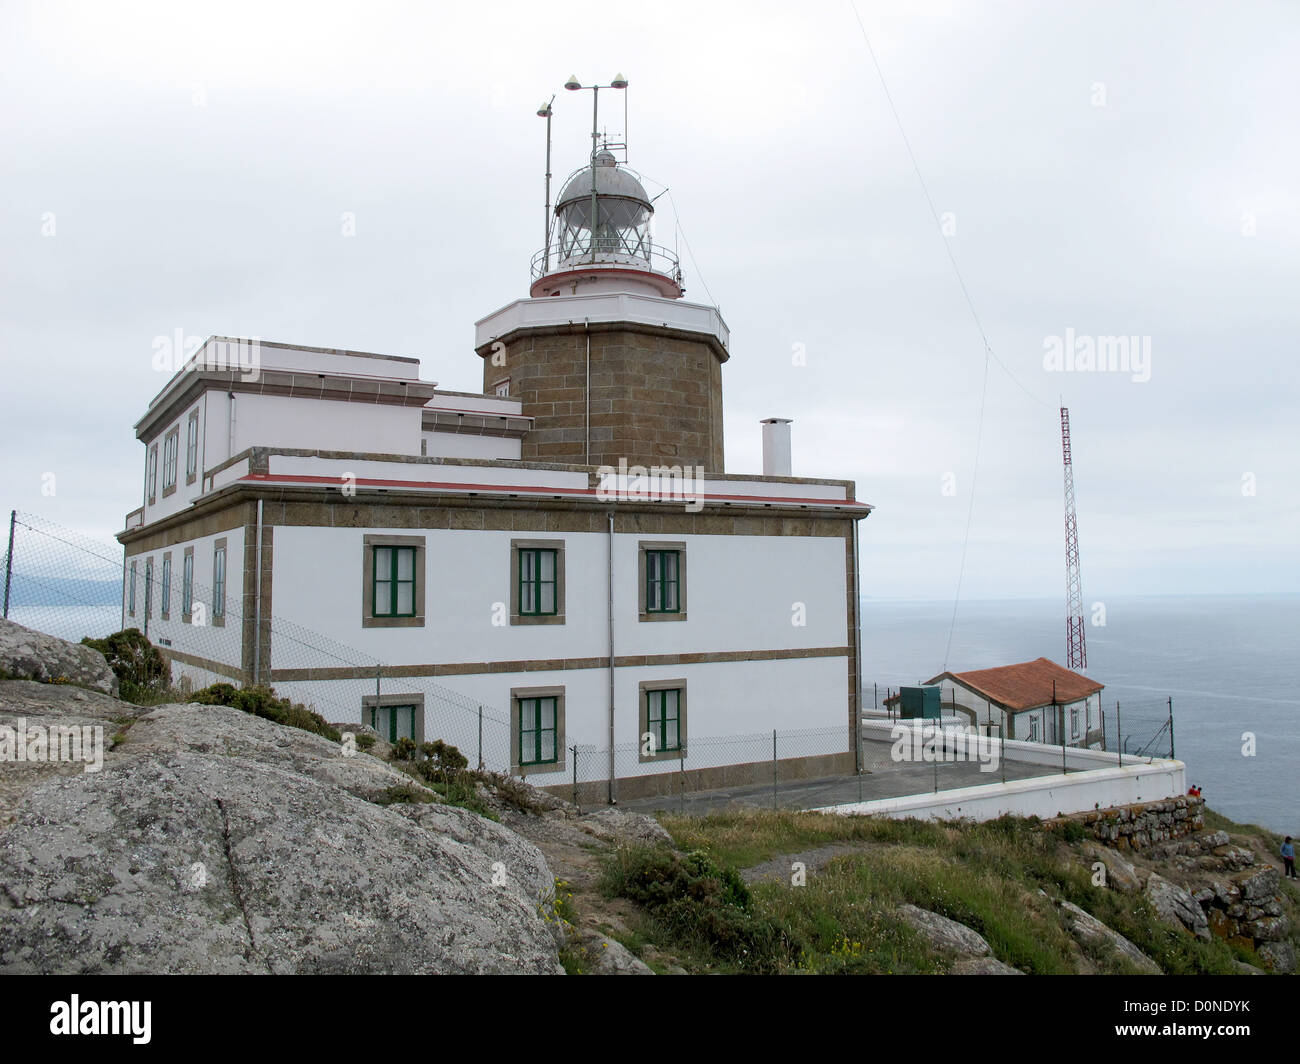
(776, 447)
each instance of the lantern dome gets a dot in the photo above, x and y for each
(616, 251)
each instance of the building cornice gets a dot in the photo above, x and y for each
(383, 391)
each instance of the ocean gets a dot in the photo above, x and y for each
(1225, 661)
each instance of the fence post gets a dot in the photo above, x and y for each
(681, 770)
(1002, 744)
(1061, 724)
(875, 696)
(774, 770)
(9, 560)
(480, 738)
(1171, 726)
(1119, 733)
(575, 773)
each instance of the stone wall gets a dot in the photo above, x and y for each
(1136, 827)
(656, 394)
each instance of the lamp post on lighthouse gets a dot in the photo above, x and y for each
(574, 85)
(545, 112)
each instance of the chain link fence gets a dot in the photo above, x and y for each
(69, 585)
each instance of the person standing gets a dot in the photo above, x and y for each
(1288, 859)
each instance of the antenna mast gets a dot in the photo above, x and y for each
(1076, 644)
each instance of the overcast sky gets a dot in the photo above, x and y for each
(1106, 168)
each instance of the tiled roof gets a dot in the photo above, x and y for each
(1025, 686)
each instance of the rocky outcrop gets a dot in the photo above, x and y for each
(982, 966)
(29, 655)
(614, 825)
(604, 956)
(1089, 931)
(210, 840)
(1176, 906)
(1120, 874)
(944, 934)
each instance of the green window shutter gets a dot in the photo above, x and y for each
(393, 577)
(219, 583)
(538, 742)
(663, 716)
(662, 583)
(537, 582)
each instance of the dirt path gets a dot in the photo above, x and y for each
(779, 868)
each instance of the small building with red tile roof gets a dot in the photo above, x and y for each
(1034, 700)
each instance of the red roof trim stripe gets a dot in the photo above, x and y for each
(527, 489)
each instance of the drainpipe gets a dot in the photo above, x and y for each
(613, 787)
(586, 324)
(257, 602)
(230, 426)
(857, 652)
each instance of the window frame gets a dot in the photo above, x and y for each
(371, 704)
(220, 569)
(151, 474)
(518, 547)
(518, 696)
(645, 689)
(187, 586)
(165, 588)
(171, 447)
(148, 589)
(192, 448)
(644, 549)
(130, 591)
(369, 619)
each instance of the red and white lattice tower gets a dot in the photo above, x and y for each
(1076, 643)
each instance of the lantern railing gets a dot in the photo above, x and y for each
(610, 251)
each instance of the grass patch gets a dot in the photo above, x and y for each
(1001, 878)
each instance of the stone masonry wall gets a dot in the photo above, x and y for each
(656, 396)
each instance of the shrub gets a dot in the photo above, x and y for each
(141, 670)
(699, 903)
(403, 750)
(365, 741)
(262, 702)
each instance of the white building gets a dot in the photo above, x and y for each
(565, 548)
(1038, 701)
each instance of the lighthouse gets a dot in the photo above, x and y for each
(459, 566)
(606, 354)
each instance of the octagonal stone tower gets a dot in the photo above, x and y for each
(605, 355)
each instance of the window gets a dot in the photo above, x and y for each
(537, 721)
(153, 473)
(537, 729)
(662, 581)
(187, 585)
(165, 606)
(219, 582)
(171, 443)
(502, 388)
(395, 716)
(1074, 722)
(662, 733)
(148, 589)
(392, 582)
(1033, 729)
(537, 581)
(192, 448)
(130, 593)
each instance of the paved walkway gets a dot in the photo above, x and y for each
(895, 782)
